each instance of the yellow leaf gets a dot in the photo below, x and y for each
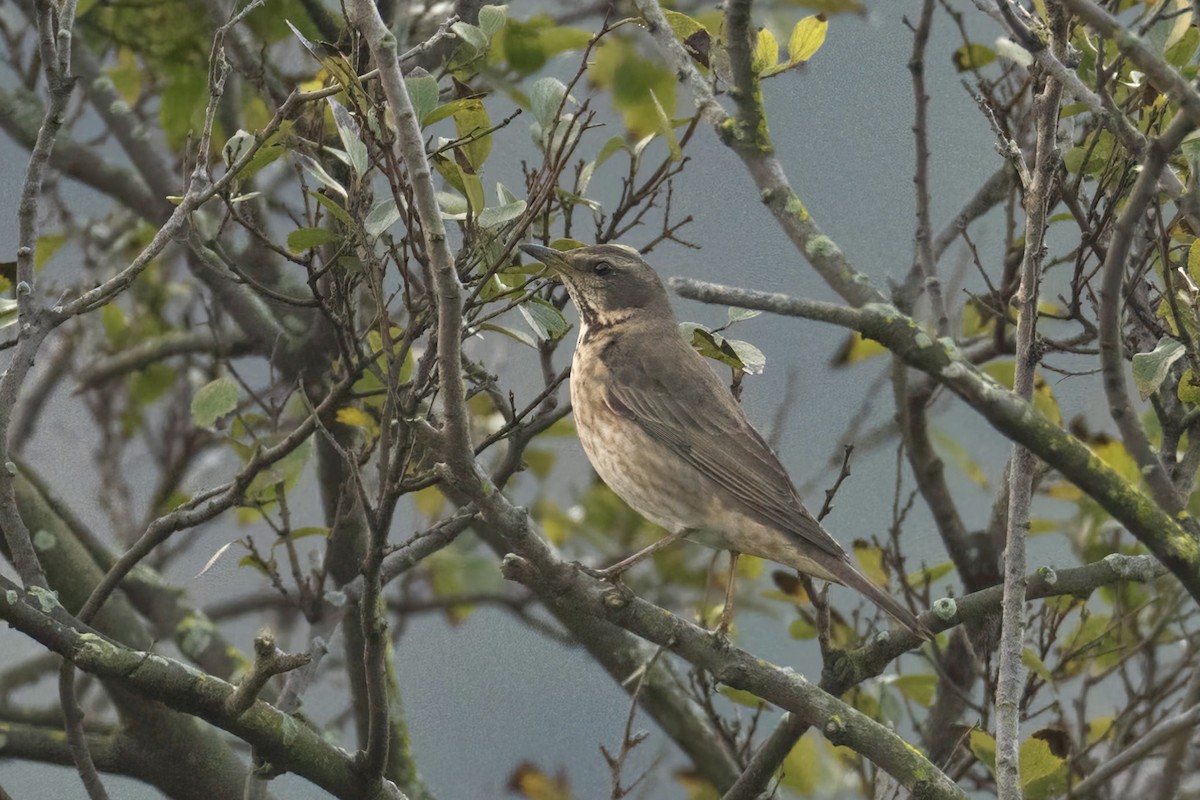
(1113, 453)
(429, 501)
(1189, 388)
(870, 559)
(919, 688)
(857, 349)
(766, 52)
(804, 767)
(743, 698)
(531, 783)
(1035, 664)
(750, 567)
(1042, 772)
(1193, 263)
(1099, 728)
(356, 417)
(806, 39)
(983, 745)
(958, 454)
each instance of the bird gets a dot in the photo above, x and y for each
(668, 437)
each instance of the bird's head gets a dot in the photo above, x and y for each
(608, 282)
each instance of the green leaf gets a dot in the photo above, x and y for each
(973, 56)
(492, 19)
(318, 172)
(47, 245)
(303, 239)
(472, 35)
(498, 215)
(545, 98)
(285, 471)
(619, 67)
(1151, 369)
(381, 217)
(736, 314)
(546, 320)
(213, 401)
(806, 39)
(800, 628)
(423, 92)
(753, 360)
(472, 120)
(351, 138)
(610, 147)
(521, 337)
(454, 206)
(182, 103)
(666, 129)
(151, 382)
(1035, 665)
(334, 208)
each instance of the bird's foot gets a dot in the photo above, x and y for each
(610, 574)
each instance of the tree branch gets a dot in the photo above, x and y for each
(1005, 411)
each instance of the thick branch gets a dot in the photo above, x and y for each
(1008, 413)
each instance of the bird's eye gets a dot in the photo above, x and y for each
(603, 268)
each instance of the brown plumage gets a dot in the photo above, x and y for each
(666, 435)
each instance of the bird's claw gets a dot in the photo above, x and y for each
(608, 575)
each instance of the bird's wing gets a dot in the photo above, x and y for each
(681, 403)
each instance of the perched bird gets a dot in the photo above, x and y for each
(667, 436)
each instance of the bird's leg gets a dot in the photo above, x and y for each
(727, 610)
(621, 567)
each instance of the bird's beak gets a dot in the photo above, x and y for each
(552, 258)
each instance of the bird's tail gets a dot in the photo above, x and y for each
(851, 576)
